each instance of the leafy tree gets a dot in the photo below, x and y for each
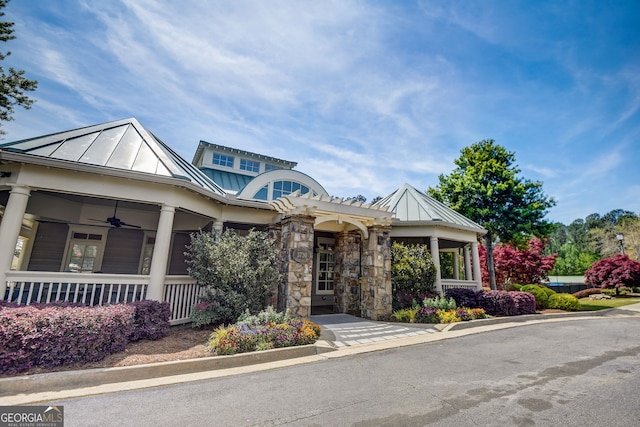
(358, 198)
(13, 83)
(485, 187)
(413, 273)
(519, 265)
(238, 273)
(572, 262)
(614, 272)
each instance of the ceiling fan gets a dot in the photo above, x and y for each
(115, 221)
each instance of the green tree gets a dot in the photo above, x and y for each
(413, 273)
(13, 83)
(238, 273)
(485, 187)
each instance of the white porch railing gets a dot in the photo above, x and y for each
(29, 287)
(453, 284)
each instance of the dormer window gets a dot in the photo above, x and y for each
(223, 160)
(249, 165)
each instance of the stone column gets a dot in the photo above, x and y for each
(161, 248)
(376, 300)
(435, 254)
(467, 263)
(10, 230)
(297, 244)
(477, 276)
(346, 268)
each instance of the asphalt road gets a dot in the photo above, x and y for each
(573, 373)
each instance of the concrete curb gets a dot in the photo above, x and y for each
(57, 381)
(43, 387)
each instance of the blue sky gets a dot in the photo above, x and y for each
(364, 95)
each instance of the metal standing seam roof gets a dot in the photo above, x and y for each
(230, 181)
(411, 205)
(123, 144)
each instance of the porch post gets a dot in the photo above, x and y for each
(297, 244)
(477, 277)
(160, 258)
(10, 230)
(456, 265)
(376, 291)
(467, 263)
(346, 269)
(218, 225)
(435, 254)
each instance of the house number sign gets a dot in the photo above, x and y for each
(301, 255)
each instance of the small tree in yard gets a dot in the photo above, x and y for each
(413, 273)
(514, 265)
(614, 272)
(238, 274)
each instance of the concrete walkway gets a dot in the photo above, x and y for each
(344, 330)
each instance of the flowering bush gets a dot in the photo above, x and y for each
(586, 292)
(427, 315)
(256, 335)
(525, 302)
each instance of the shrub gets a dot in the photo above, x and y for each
(151, 321)
(525, 302)
(586, 292)
(405, 315)
(541, 295)
(613, 272)
(427, 315)
(412, 272)
(623, 290)
(266, 316)
(463, 297)
(512, 287)
(564, 302)
(498, 303)
(54, 336)
(440, 303)
(238, 273)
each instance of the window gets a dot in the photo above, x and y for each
(282, 188)
(147, 254)
(249, 165)
(223, 160)
(263, 193)
(270, 167)
(324, 270)
(84, 253)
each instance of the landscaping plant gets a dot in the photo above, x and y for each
(413, 274)
(263, 331)
(613, 273)
(238, 273)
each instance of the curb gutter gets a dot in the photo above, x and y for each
(58, 381)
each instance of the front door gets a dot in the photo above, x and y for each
(322, 292)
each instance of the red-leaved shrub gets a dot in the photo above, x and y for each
(151, 320)
(54, 336)
(613, 272)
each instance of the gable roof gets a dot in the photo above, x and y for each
(120, 145)
(411, 205)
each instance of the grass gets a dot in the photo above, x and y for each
(592, 305)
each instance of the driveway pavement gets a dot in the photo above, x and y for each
(344, 330)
